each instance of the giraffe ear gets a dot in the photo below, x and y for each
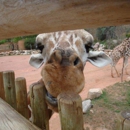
(98, 58)
(36, 60)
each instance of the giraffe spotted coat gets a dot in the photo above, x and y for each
(120, 51)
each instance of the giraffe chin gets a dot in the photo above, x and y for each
(58, 79)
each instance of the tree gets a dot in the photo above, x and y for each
(105, 33)
(29, 41)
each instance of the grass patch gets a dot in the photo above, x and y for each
(128, 97)
(103, 97)
(115, 98)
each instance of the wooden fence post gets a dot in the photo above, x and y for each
(70, 110)
(21, 96)
(2, 92)
(9, 87)
(39, 106)
(123, 120)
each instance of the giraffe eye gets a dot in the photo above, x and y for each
(88, 48)
(39, 46)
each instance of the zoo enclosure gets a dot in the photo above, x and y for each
(10, 46)
(14, 92)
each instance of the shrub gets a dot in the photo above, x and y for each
(29, 43)
(110, 44)
(3, 41)
(105, 33)
(16, 39)
(128, 35)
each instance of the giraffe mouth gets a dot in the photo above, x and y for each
(50, 99)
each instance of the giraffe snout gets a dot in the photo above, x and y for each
(65, 58)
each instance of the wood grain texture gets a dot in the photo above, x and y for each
(39, 106)
(2, 92)
(70, 110)
(12, 120)
(21, 96)
(122, 123)
(26, 17)
(9, 87)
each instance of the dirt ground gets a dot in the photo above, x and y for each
(108, 108)
(94, 77)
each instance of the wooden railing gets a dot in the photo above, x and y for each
(13, 91)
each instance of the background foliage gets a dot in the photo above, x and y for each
(109, 36)
(29, 41)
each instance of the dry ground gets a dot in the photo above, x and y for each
(94, 77)
(115, 99)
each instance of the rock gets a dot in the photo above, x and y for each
(94, 93)
(86, 105)
(96, 46)
(87, 127)
(6, 53)
(115, 41)
(17, 52)
(1, 53)
(20, 52)
(101, 128)
(35, 52)
(128, 78)
(28, 52)
(91, 111)
(11, 53)
(25, 52)
(101, 47)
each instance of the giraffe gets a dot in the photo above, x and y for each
(64, 55)
(120, 51)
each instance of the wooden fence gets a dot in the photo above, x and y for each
(10, 46)
(13, 91)
(6, 47)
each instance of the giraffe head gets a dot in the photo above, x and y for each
(64, 55)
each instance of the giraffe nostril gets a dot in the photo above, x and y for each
(55, 57)
(76, 61)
